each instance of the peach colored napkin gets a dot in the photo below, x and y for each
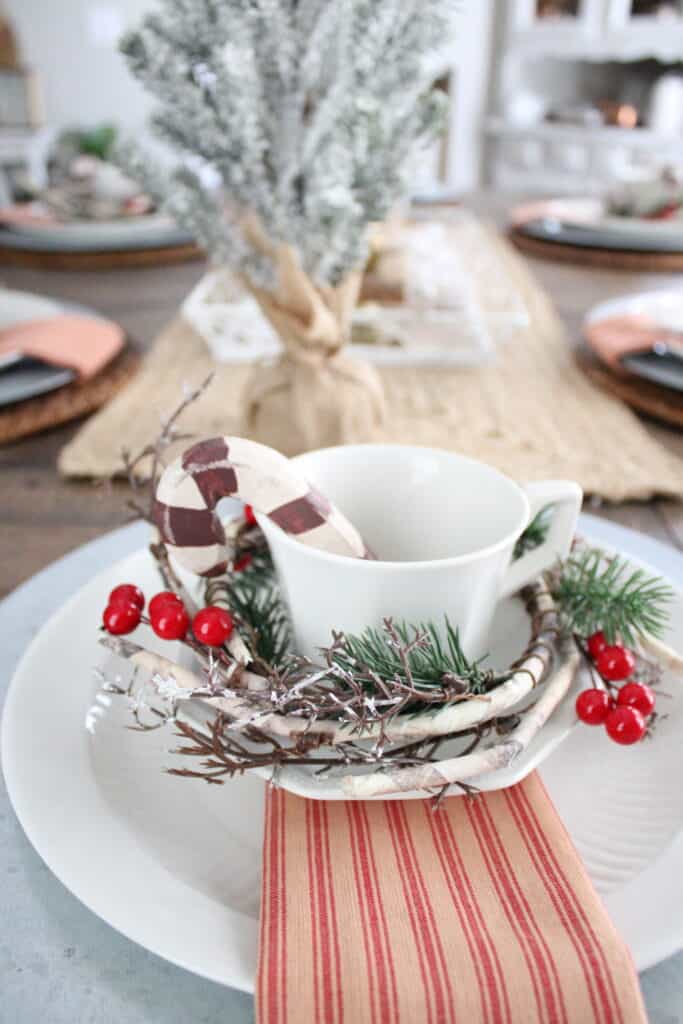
(618, 336)
(480, 912)
(81, 343)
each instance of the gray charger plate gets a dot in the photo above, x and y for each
(665, 369)
(597, 237)
(95, 237)
(28, 378)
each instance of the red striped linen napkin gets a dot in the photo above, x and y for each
(479, 911)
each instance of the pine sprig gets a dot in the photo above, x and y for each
(416, 655)
(535, 533)
(254, 598)
(597, 591)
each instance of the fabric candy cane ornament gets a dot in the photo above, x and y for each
(191, 487)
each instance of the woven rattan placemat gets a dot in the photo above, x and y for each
(107, 259)
(68, 403)
(532, 413)
(657, 401)
(589, 256)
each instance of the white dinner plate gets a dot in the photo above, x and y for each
(175, 864)
(17, 307)
(19, 380)
(663, 310)
(587, 222)
(664, 307)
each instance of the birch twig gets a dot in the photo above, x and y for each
(664, 655)
(459, 769)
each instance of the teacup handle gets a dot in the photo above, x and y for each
(565, 496)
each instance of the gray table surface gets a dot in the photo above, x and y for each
(59, 963)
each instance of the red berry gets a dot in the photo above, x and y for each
(160, 600)
(212, 626)
(249, 516)
(596, 644)
(638, 696)
(625, 726)
(170, 621)
(121, 617)
(615, 663)
(242, 563)
(593, 706)
(127, 592)
(664, 212)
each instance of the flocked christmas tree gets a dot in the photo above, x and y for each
(294, 122)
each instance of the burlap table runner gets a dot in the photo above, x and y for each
(532, 413)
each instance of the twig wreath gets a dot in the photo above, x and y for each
(378, 709)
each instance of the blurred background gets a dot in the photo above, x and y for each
(543, 92)
(526, 309)
(563, 135)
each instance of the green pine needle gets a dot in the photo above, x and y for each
(253, 596)
(596, 591)
(535, 533)
(428, 663)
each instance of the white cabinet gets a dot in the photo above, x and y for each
(613, 28)
(553, 21)
(19, 148)
(646, 28)
(554, 54)
(455, 163)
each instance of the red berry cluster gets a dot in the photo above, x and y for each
(623, 710)
(168, 616)
(124, 610)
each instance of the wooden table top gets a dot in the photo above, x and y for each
(42, 516)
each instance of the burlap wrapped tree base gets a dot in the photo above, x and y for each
(532, 413)
(316, 394)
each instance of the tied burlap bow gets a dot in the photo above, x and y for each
(316, 395)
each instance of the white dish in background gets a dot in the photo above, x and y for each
(236, 331)
(655, 359)
(585, 221)
(480, 308)
(18, 307)
(150, 231)
(146, 851)
(665, 308)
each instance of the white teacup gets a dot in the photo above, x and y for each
(444, 528)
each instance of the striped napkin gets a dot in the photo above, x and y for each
(480, 911)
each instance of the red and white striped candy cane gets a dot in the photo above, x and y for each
(223, 467)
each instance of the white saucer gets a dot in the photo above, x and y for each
(511, 630)
(174, 864)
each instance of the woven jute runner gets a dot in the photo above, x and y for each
(532, 413)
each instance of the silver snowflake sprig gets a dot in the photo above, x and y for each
(299, 116)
